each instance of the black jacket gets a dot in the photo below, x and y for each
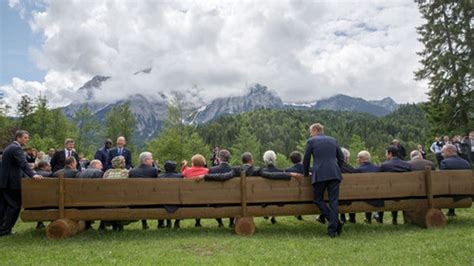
(68, 173)
(271, 172)
(114, 152)
(395, 165)
(296, 168)
(144, 171)
(347, 168)
(13, 165)
(57, 162)
(221, 172)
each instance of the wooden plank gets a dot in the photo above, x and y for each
(129, 192)
(232, 211)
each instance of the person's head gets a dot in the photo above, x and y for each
(108, 143)
(146, 158)
(118, 162)
(346, 153)
(363, 157)
(121, 141)
(44, 166)
(198, 160)
(40, 155)
(96, 164)
(69, 144)
(449, 150)
(22, 137)
(170, 167)
(269, 157)
(296, 157)
(392, 151)
(419, 147)
(224, 156)
(471, 135)
(316, 129)
(437, 138)
(70, 163)
(414, 155)
(247, 158)
(51, 152)
(29, 151)
(216, 149)
(395, 142)
(446, 138)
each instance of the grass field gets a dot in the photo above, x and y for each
(288, 242)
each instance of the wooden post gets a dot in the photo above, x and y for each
(427, 217)
(244, 225)
(63, 228)
(61, 196)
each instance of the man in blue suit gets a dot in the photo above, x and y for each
(365, 166)
(327, 158)
(452, 161)
(14, 164)
(120, 150)
(102, 153)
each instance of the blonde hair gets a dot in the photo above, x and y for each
(198, 160)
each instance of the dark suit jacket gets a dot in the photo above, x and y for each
(454, 163)
(101, 155)
(395, 165)
(57, 162)
(367, 168)
(221, 172)
(327, 159)
(171, 175)
(44, 173)
(296, 168)
(271, 172)
(347, 168)
(125, 153)
(421, 164)
(90, 173)
(250, 170)
(14, 164)
(143, 171)
(68, 173)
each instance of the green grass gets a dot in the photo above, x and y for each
(288, 242)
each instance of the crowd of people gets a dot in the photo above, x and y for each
(329, 162)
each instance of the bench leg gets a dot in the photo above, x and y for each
(427, 218)
(244, 226)
(64, 228)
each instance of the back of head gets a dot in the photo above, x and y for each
(43, 165)
(415, 155)
(296, 157)
(96, 164)
(317, 127)
(393, 150)
(364, 156)
(118, 162)
(224, 156)
(170, 166)
(269, 157)
(144, 156)
(198, 160)
(246, 157)
(449, 150)
(346, 153)
(70, 162)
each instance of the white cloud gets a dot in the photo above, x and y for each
(302, 49)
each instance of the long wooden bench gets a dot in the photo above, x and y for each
(66, 202)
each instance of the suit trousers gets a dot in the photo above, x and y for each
(10, 206)
(331, 213)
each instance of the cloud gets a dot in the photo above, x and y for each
(304, 50)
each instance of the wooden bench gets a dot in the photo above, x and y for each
(66, 202)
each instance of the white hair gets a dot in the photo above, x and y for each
(414, 154)
(269, 157)
(364, 156)
(144, 155)
(94, 162)
(346, 153)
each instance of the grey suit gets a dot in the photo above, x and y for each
(90, 173)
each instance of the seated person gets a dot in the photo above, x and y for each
(196, 172)
(93, 171)
(418, 163)
(170, 172)
(69, 170)
(146, 169)
(365, 166)
(247, 166)
(347, 168)
(44, 169)
(297, 160)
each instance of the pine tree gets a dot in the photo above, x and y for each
(87, 128)
(448, 63)
(246, 141)
(120, 122)
(25, 108)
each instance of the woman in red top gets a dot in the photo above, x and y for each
(198, 168)
(197, 171)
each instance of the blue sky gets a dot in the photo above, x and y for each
(16, 39)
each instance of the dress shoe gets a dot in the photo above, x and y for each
(332, 235)
(320, 219)
(6, 233)
(176, 224)
(367, 221)
(40, 225)
(352, 221)
(299, 217)
(394, 221)
(273, 220)
(231, 225)
(339, 228)
(197, 225)
(220, 225)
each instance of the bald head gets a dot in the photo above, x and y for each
(415, 155)
(121, 141)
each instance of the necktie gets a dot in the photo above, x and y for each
(120, 151)
(68, 153)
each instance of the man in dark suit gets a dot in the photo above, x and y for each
(452, 161)
(93, 171)
(346, 168)
(402, 153)
(120, 150)
(327, 158)
(69, 170)
(57, 162)
(365, 166)
(144, 170)
(170, 172)
(297, 167)
(470, 143)
(417, 162)
(393, 164)
(247, 166)
(14, 165)
(43, 169)
(102, 153)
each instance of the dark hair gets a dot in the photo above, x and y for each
(224, 155)
(69, 160)
(20, 133)
(393, 150)
(295, 157)
(42, 165)
(108, 141)
(246, 157)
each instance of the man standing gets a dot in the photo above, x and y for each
(14, 164)
(327, 157)
(102, 153)
(436, 149)
(57, 162)
(470, 143)
(120, 150)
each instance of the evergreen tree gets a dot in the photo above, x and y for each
(120, 122)
(448, 63)
(87, 128)
(25, 108)
(246, 142)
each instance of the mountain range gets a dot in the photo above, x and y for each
(151, 113)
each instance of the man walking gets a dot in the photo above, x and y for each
(327, 158)
(14, 164)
